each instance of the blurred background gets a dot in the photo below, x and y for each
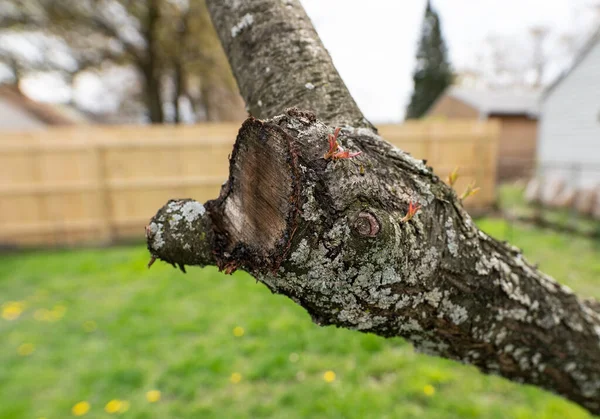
(108, 108)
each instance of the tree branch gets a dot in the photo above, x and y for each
(181, 233)
(101, 25)
(279, 61)
(332, 234)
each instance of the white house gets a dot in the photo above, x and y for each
(568, 148)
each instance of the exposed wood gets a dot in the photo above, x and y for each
(252, 216)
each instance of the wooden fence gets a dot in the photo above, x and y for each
(98, 184)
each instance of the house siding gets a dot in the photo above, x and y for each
(569, 137)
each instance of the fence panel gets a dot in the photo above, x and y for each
(96, 184)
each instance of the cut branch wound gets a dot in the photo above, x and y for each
(334, 236)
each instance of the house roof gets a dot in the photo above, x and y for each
(499, 102)
(48, 113)
(579, 58)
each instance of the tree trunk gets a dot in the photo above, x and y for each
(178, 67)
(149, 67)
(152, 94)
(332, 233)
(205, 97)
(179, 89)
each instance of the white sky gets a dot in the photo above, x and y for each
(373, 42)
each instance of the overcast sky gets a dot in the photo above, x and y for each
(373, 42)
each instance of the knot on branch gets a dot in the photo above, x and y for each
(366, 224)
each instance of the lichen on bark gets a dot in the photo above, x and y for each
(332, 235)
(435, 280)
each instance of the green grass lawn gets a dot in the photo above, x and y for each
(95, 325)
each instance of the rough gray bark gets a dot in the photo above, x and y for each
(279, 61)
(152, 83)
(331, 234)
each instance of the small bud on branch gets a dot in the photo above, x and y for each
(470, 191)
(413, 208)
(335, 151)
(453, 177)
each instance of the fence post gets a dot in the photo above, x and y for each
(491, 139)
(431, 147)
(480, 154)
(106, 230)
(41, 198)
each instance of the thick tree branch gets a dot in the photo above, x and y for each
(279, 61)
(181, 234)
(332, 235)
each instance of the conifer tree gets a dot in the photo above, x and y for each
(433, 73)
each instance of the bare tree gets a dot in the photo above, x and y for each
(539, 34)
(533, 58)
(166, 41)
(374, 241)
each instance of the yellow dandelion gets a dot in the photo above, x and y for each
(238, 331)
(235, 378)
(26, 349)
(12, 310)
(329, 376)
(429, 390)
(89, 326)
(294, 357)
(80, 408)
(125, 405)
(153, 396)
(113, 406)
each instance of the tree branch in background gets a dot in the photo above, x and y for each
(132, 34)
(374, 241)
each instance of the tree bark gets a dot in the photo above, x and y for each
(180, 89)
(152, 93)
(279, 61)
(333, 235)
(149, 64)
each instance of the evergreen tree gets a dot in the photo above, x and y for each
(433, 73)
